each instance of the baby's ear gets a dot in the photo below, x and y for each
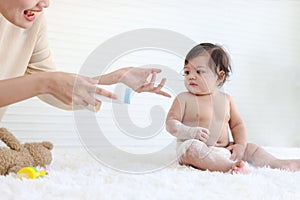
(48, 145)
(221, 78)
(221, 74)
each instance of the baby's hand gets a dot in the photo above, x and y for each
(200, 133)
(237, 151)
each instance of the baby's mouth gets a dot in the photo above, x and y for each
(193, 84)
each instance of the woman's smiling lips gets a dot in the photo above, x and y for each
(29, 15)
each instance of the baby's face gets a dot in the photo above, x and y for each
(199, 78)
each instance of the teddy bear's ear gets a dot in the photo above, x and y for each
(10, 140)
(48, 145)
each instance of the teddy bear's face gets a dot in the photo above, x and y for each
(40, 152)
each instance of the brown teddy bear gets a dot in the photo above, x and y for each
(18, 155)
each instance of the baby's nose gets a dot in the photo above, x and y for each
(192, 76)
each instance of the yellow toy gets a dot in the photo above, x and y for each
(31, 173)
(18, 156)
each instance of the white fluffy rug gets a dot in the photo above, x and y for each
(77, 175)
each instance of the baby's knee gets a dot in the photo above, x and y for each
(195, 150)
(250, 150)
(251, 147)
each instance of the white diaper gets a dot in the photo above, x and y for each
(183, 146)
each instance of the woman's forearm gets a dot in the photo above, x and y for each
(112, 77)
(20, 88)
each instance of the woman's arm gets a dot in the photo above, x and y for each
(68, 88)
(62, 90)
(135, 78)
(20, 88)
(75, 89)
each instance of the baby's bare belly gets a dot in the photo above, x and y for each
(222, 143)
(218, 139)
(218, 132)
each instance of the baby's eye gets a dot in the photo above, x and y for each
(200, 71)
(186, 72)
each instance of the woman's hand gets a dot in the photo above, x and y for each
(237, 151)
(74, 89)
(136, 78)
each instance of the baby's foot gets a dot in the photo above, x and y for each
(240, 168)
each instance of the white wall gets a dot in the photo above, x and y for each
(262, 38)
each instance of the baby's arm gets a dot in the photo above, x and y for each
(175, 126)
(238, 131)
(181, 131)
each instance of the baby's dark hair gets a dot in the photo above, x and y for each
(219, 58)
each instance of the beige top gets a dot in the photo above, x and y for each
(25, 51)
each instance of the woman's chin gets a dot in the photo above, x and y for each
(24, 24)
(21, 23)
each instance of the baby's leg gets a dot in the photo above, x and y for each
(202, 157)
(258, 157)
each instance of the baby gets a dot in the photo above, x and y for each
(202, 117)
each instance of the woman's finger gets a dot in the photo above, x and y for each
(151, 83)
(106, 93)
(163, 93)
(153, 78)
(78, 101)
(158, 90)
(155, 70)
(90, 100)
(92, 81)
(161, 84)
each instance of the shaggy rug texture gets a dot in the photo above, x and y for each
(75, 174)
